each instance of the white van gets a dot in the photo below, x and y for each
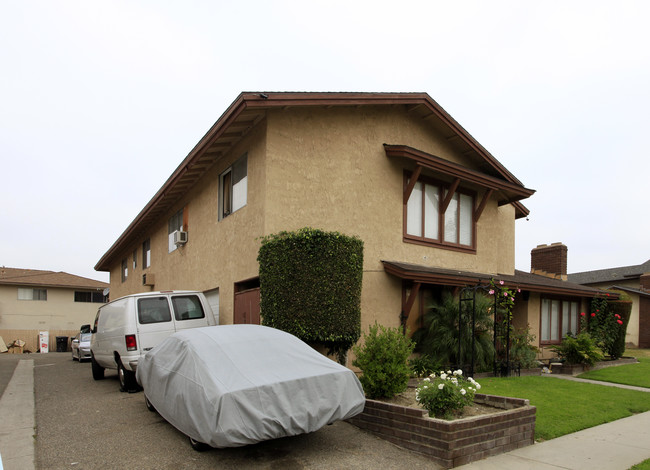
(126, 328)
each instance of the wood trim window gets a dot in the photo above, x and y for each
(557, 318)
(125, 270)
(439, 214)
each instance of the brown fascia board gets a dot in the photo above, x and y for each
(263, 100)
(447, 277)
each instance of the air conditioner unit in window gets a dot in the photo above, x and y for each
(148, 279)
(180, 237)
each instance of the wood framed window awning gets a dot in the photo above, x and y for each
(507, 192)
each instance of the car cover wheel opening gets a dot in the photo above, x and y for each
(198, 446)
(150, 407)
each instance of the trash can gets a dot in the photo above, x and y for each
(61, 343)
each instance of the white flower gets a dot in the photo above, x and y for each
(462, 391)
(448, 372)
(454, 380)
(458, 372)
(426, 379)
(443, 376)
(478, 386)
(441, 386)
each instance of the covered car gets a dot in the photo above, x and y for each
(233, 385)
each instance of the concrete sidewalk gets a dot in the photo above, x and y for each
(612, 446)
(17, 419)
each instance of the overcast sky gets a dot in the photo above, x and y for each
(101, 101)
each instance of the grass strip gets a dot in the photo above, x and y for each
(564, 406)
(629, 374)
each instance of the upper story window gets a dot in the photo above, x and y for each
(125, 270)
(233, 187)
(175, 225)
(32, 294)
(434, 216)
(558, 317)
(135, 259)
(146, 253)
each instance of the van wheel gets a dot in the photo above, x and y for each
(198, 446)
(127, 379)
(98, 371)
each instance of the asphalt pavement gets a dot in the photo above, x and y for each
(53, 415)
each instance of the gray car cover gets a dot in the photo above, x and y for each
(233, 385)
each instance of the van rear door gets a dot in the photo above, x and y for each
(190, 311)
(154, 321)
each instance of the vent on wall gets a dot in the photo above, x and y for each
(148, 279)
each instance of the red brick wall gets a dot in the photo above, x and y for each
(550, 258)
(457, 442)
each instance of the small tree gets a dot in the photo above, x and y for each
(383, 360)
(607, 325)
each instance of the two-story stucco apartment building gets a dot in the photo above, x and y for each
(432, 206)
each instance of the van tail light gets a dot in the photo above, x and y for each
(131, 343)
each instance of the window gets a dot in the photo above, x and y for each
(187, 307)
(135, 259)
(425, 221)
(32, 294)
(125, 270)
(153, 310)
(93, 297)
(233, 187)
(146, 253)
(175, 225)
(558, 317)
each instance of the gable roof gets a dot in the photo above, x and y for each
(249, 109)
(520, 279)
(622, 273)
(38, 278)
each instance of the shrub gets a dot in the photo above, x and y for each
(438, 337)
(383, 361)
(442, 395)
(310, 286)
(579, 349)
(620, 310)
(423, 366)
(522, 350)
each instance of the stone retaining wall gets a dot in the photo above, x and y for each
(456, 442)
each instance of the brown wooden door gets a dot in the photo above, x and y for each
(247, 306)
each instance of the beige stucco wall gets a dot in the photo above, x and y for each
(59, 315)
(324, 168)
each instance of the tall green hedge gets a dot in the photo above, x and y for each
(624, 310)
(310, 286)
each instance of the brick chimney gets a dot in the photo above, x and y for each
(549, 260)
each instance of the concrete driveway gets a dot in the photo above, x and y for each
(86, 424)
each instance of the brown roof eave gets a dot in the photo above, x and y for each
(461, 279)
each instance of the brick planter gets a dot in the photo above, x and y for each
(457, 442)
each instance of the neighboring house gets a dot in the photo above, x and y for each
(32, 301)
(432, 206)
(635, 282)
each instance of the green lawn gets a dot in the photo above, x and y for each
(565, 406)
(630, 374)
(645, 465)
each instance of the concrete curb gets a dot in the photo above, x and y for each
(18, 420)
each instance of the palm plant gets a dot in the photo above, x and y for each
(438, 337)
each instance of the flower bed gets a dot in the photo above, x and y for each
(456, 442)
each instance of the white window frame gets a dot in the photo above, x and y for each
(29, 293)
